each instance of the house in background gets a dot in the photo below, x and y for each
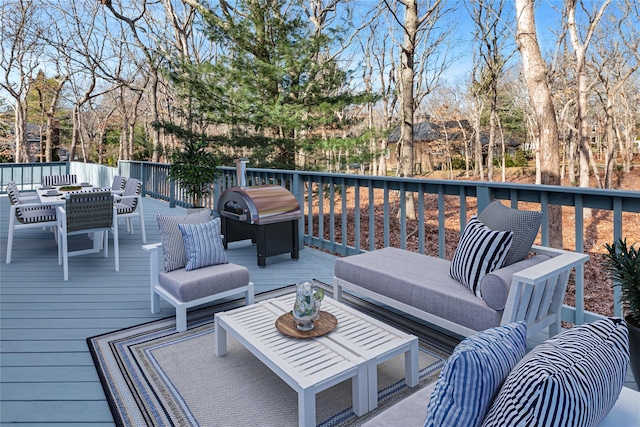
(436, 142)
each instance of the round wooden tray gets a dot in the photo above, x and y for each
(325, 324)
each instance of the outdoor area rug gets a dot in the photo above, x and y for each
(155, 376)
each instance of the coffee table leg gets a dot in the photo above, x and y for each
(411, 367)
(372, 383)
(360, 392)
(221, 338)
(307, 407)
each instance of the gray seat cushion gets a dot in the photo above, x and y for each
(419, 281)
(195, 284)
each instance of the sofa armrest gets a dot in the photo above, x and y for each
(537, 293)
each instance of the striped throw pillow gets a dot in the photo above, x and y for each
(572, 379)
(172, 243)
(203, 244)
(479, 252)
(473, 374)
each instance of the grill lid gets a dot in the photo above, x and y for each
(261, 204)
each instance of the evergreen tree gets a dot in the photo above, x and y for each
(274, 82)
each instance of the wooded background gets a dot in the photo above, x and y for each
(320, 84)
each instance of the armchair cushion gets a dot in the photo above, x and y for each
(480, 251)
(473, 374)
(523, 224)
(572, 379)
(188, 286)
(203, 244)
(173, 250)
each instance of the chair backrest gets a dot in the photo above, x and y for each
(118, 182)
(14, 194)
(89, 210)
(59, 179)
(133, 187)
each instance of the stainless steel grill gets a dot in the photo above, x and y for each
(264, 204)
(266, 214)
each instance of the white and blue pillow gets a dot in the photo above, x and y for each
(573, 379)
(479, 252)
(472, 376)
(203, 244)
(172, 242)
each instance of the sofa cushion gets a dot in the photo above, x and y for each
(495, 286)
(203, 244)
(572, 379)
(523, 224)
(473, 374)
(418, 281)
(479, 252)
(173, 251)
(188, 286)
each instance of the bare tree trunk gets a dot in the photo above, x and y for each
(405, 162)
(21, 132)
(580, 48)
(535, 72)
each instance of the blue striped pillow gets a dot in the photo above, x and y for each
(203, 244)
(479, 252)
(573, 379)
(172, 241)
(473, 374)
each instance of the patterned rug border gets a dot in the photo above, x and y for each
(440, 346)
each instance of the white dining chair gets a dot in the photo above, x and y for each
(87, 212)
(27, 215)
(129, 205)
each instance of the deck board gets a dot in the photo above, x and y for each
(47, 375)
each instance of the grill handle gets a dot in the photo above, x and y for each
(237, 217)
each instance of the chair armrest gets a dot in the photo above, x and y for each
(153, 247)
(561, 261)
(37, 204)
(537, 293)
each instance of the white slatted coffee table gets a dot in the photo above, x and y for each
(353, 350)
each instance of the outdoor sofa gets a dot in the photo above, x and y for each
(530, 289)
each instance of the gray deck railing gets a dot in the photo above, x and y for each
(336, 224)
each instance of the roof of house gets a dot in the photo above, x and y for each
(431, 131)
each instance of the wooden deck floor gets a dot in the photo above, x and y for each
(47, 376)
(46, 372)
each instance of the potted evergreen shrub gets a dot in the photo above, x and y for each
(623, 264)
(195, 168)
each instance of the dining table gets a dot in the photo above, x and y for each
(55, 194)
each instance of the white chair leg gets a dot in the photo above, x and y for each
(65, 257)
(181, 318)
(155, 301)
(10, 236)
(144, 234)
(104, 237)
(116, 247)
